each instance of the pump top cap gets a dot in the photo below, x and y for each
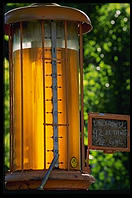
(48, 11)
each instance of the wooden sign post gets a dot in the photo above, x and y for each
(109, 132)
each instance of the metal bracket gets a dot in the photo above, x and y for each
(46, 176)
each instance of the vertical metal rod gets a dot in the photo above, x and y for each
(11, 96)
(87, 157)
(22, 133)
(66, 89)
(43, 61)
(54, 88)
(82, 105)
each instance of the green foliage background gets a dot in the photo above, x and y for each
(106, 84)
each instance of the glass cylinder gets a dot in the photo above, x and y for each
(32, 148)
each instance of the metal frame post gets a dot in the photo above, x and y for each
(11, 95)
(82, 105)
(43, 62)
(21, 60)
(66, 56)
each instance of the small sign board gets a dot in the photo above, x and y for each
(109, 132)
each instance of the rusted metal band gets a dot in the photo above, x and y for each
(65, 33)
(43, 62)
(11, 96)
(82, 105)
(21, 63)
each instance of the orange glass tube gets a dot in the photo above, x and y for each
(33, 108)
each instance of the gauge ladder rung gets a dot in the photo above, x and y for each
(52, 112)
(53, 75)
(51, 124)
(58, 137)
(53, 99)
(58, 162)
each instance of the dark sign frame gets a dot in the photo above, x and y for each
(108, 149)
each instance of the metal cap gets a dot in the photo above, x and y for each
(48, 11)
